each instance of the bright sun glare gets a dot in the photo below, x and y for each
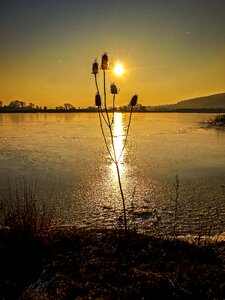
(118, 69)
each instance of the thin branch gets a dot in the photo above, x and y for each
(103, 133)
(122, 196)
(103, 116)
(96, 83)
(119, 179)
(105, 100)
(110, 126)
(128, 128)
(114, 97)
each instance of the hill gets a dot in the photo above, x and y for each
(210, 103)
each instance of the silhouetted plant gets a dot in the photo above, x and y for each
(21, 213)
(218, 121)
(105, 117)
(176, 200)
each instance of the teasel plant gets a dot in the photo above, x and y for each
(106, 120)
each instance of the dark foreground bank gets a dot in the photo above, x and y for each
(80, 264)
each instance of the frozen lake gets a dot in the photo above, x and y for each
(65, 153)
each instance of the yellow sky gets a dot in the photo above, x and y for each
(170, 52)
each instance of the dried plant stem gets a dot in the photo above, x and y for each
(100, 108)
(22, 214)
(176, 199)
(114, 96)
(116, 162)
(103, 116)
(114, 156)
(109, 122)
(96, 83)
(103, 133)
(105, 101)
(122, 196)
(128, 128)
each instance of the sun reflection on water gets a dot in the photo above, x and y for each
(118, 135)
(118, 138)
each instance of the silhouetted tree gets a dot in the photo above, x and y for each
(31, 105)
(68, 106)
(17, 104)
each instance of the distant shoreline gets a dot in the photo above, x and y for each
(207, 104)
(9, 111)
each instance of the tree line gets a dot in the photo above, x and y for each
(21, 106)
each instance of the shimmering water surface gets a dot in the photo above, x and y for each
(67, 156)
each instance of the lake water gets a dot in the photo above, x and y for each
(66, 154)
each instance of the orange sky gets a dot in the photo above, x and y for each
(170, 51)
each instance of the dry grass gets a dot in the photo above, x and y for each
(109, 265)
(106, 264)
(218, 121)
(22, 213)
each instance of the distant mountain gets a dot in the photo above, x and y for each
(212, 102)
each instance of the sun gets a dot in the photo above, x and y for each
(118, 69)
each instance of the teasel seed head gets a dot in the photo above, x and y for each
(105, 62)
(114, 89)
(133, 100)
(98, 101)
(95, 67)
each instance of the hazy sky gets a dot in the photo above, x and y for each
(171, 49)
